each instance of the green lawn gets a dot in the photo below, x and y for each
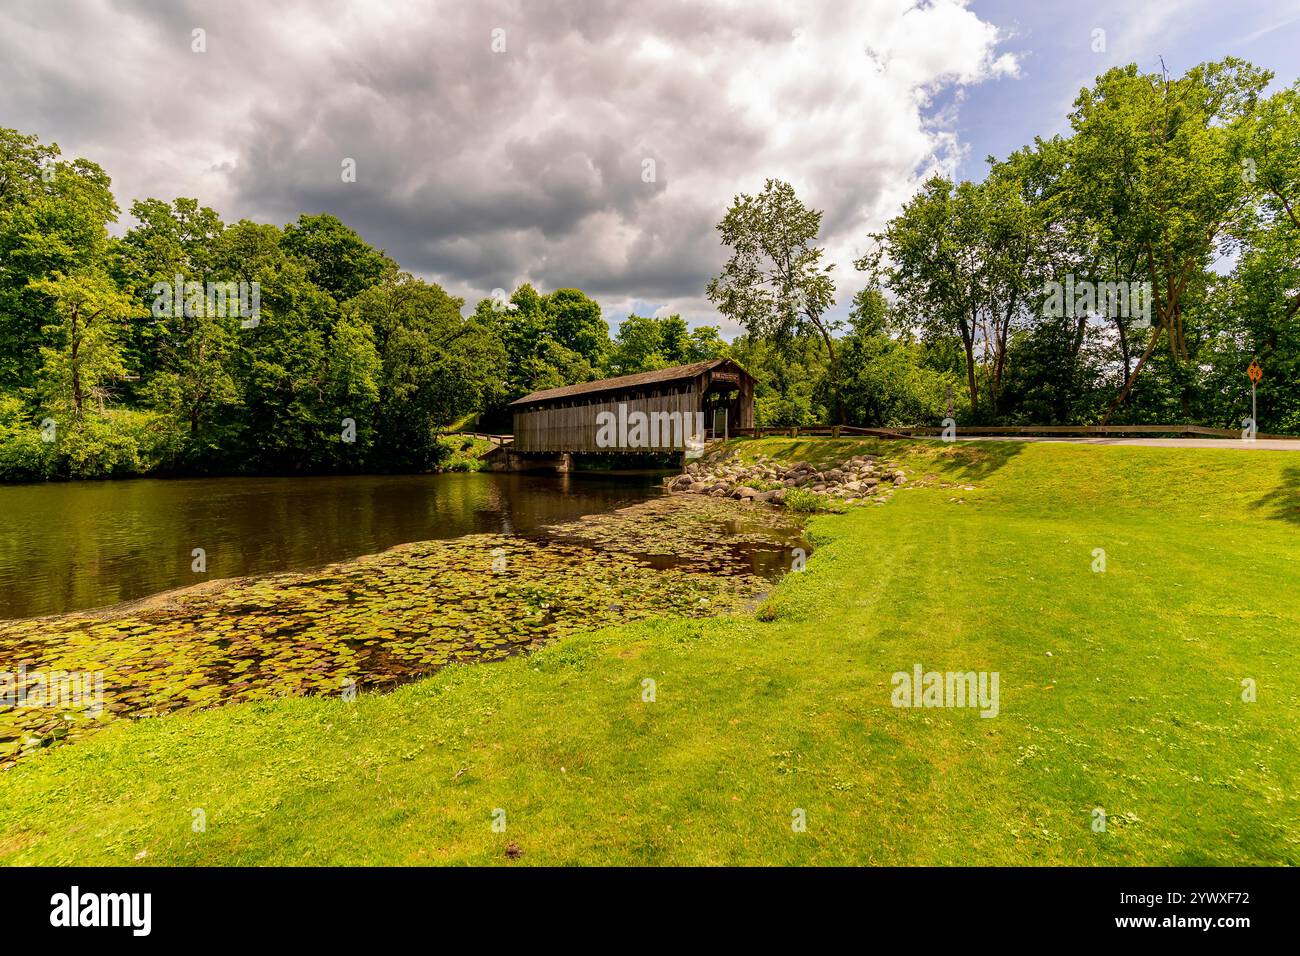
(1120, 690)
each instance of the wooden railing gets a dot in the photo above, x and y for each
(1186, 431)
(834, 431)
(494, 439)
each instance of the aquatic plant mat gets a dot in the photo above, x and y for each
(393, 617)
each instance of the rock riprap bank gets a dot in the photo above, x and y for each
(861, 479)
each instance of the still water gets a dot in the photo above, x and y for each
(80, 545)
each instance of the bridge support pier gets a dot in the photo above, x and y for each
(504, 458)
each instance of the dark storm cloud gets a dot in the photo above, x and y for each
(483, 168)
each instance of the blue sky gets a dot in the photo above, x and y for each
(1053, 42)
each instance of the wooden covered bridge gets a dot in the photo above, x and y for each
(667, 410)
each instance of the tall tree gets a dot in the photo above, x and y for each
(539, 336)
(181, 352)
(83, 358)
(573, 319)
(54, 217)
(436, 366)
(934, 256)
(774, 284)
(1155, 167)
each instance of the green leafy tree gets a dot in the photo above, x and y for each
(790, 376)
(337, 259)
(173, 240)
(966, 260)
(644, 343)
(891, 380)
(572, 320)
(535, 349)
(774, 284)
(1155, 167)
(54, 218)
(83, 357)
(436, 366)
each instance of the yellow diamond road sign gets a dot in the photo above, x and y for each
(1255, 372)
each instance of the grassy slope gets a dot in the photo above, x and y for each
(1137, 710)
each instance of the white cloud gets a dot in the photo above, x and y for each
(482, 169)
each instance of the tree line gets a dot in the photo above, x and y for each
(1128, 271)
(191, 345)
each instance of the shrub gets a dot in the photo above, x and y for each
(23, 455)
(461, 453)
(119, 443)
(807, 502)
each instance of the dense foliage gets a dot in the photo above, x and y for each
(187, 344)
(1129, 271)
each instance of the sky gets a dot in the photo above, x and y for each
(584, 144)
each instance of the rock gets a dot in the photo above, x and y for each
(744, 491)
(698, 488)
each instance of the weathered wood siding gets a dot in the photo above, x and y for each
(573, 425)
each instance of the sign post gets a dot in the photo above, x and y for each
(1255, 373)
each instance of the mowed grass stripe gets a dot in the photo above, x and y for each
(1138, 709)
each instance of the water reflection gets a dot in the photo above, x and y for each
(80, 545)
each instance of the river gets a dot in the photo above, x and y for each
(80, 545)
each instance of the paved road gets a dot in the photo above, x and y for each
(1260, 444)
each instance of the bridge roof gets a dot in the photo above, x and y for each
(621, 383)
